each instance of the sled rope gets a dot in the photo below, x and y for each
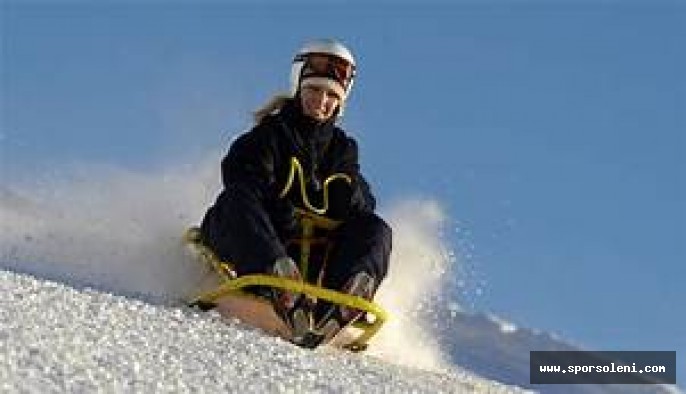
(296, 167)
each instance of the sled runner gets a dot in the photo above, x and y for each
(229, 295)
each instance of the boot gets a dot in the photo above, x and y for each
(333, 318)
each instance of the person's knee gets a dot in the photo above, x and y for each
(385, 231)
(379, 230)
(381, 234)
(371, 222)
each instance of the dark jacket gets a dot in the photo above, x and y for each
(253, 214)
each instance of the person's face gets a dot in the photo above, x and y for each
(319, 102)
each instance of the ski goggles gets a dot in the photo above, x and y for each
(320, 64)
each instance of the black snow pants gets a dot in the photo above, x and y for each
(243, 231)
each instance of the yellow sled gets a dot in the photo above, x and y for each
(229, 299)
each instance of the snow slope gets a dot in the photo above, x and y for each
(58, 339)
(92, 272)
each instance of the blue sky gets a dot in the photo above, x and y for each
(554, 134)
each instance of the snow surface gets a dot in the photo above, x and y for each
(58, 339)
(92, 275)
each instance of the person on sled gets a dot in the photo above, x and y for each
(254, 216)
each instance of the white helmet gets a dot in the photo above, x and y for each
(326, 61)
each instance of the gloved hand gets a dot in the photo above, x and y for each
(293, 308)
(285, 267)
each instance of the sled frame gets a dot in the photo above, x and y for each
(231, 285)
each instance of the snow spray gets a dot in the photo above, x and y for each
(120, 231)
